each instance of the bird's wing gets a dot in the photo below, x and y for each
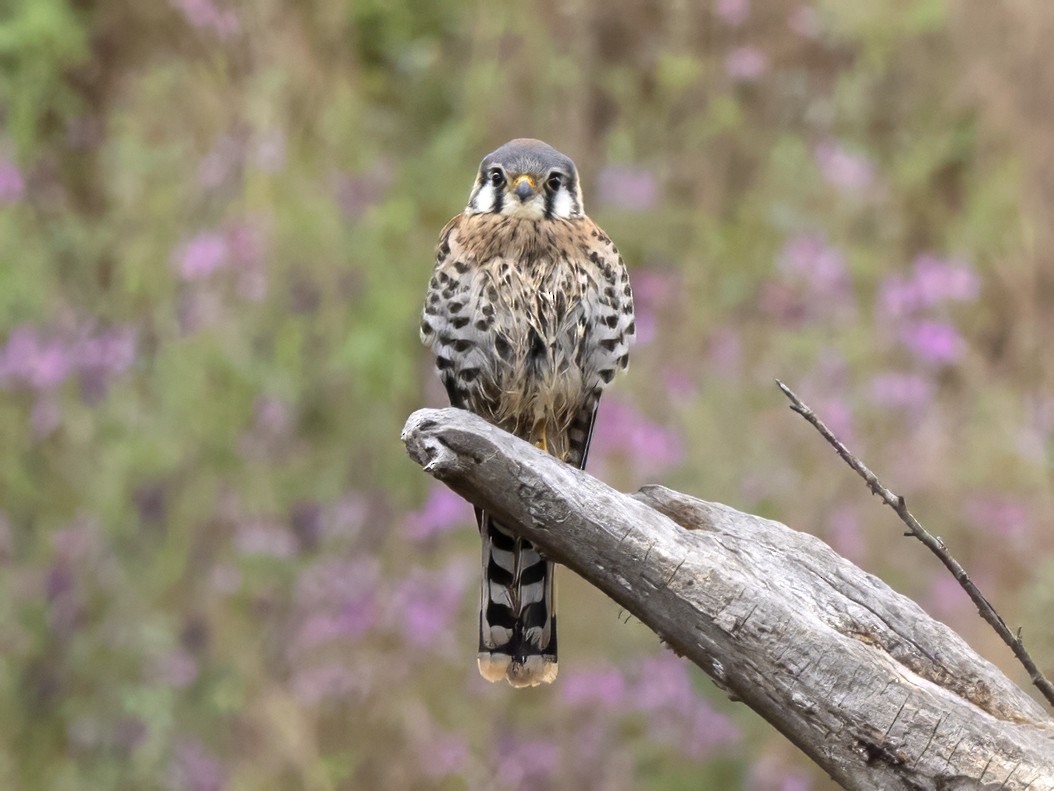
(445, 316)
(609, 328)
(580, 434)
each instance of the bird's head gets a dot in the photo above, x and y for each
(527, 178)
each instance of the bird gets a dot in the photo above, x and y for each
(529, 313)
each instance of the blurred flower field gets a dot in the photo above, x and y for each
(218, 569)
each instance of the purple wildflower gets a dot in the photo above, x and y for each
(677, 714)
(444, 754)
(939, 280)
(908, 391)
(347, 516)
(100, 357)
(664, 685)
(843, 526)
(781, 302)
(238, 247)
(705, 731)
(246, 247)
(635, 189)
(194, 768)
(647, 325)
(946, 599)
(655, 287)
(623, 430)
(177, 669)
(771, 774)
(654, 290)
(265, 536)
(746, 64)
(353, 619)
(110, 351)
(844, 169)
(531, 763)
(338, 600)
(732, 12)
(41, 363)
(355, 194)
(442, 512)
(935, 342)
(202, 256)
(50, 366)
(999, 514)
(898, 297)
(12, 185)
(933, 281)
(837, 414)
(680, 384)
(428, 601)
(814, 283)
(605, 686)
(811, 259)
(329, 681)
(204, 15)
(35, 361)
(242, 244)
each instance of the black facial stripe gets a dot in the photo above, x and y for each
(499, 199)
(550, 199)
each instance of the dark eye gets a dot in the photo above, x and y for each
(497, 178)
(554, 182)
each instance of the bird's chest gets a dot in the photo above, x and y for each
(541, 310)
(539, 333)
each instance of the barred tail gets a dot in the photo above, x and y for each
(517, 616)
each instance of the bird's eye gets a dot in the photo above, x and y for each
(497, 178)
(554, 182)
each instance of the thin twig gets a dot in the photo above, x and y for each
(934, 543)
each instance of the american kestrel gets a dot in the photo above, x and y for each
(530, 315)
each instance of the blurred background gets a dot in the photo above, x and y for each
(218, 568)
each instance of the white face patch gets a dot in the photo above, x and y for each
(563, 204)
(483, 201)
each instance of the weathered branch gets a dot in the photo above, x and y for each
(859, 677)
(932, 542)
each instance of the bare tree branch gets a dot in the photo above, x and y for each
(934, 543)
(859, 677)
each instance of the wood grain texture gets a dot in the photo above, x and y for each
(872, 689)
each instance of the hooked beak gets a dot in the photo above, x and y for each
(523, 187)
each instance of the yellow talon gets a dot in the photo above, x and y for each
(541, 443)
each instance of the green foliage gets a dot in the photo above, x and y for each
(41, 43)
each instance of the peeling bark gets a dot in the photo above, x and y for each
(872, 689)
